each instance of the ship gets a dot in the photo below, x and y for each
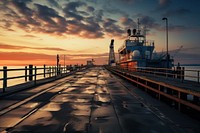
(138, 52)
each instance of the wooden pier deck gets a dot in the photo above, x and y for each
(90, 101)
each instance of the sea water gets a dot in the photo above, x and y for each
(12, 82)
(191, 72)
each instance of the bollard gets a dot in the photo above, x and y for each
(30, 72)
(26, 73)
(4, 78)
(44, 71)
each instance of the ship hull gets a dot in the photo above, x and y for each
(128, 65)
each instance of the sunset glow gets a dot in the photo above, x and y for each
(35, 31)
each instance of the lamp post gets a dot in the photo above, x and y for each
(64, 60)
(58, 59)
(167, 56)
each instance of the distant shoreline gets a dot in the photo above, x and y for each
(189, 65)
(53, 65)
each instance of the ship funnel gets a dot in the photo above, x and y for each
(129, 32)
(134, 31)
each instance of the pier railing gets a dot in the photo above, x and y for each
(32, 74)
(176, 72)
(184, 95)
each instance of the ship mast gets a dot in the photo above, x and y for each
(138, 26)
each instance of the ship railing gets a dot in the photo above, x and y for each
(176, 72)
(133, 43)
(149, 43)
(15, 76)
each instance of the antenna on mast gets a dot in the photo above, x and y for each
(145, 33)
(138, 26)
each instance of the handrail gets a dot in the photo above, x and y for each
(183, 97)
(180, 73)
(31, 73)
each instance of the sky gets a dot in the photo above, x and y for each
(35, 31)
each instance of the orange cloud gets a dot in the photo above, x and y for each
(24, 58)
(14, 47)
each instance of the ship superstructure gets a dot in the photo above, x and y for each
(138, 52)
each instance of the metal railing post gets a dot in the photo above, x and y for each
(55, 71)
(49, 71)
(182, 73)
(4, 78)
(52, 71)
(26, 73)
(35, 76)
(30, 72)
(44, 71)
(198, 76)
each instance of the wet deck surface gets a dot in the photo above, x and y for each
(92, 101)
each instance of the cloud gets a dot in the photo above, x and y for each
(80, 23)
(90, 9)
(74, 20)
(98, 15)
(162, 5)
(22, 8)
(54, 3)
(177, 12)
(23, 58)
(51, 19)
(128, 22)
(40, 19)
(29, 36)
(71, 11)
(14, 47)
(5, 46)
(112, 29)
(148, 21)
(88, 29)
(113, 10)
(89, 55)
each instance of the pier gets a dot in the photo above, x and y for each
(177, 92)
(99, 99)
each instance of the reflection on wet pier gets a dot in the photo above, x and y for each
(94, 101)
